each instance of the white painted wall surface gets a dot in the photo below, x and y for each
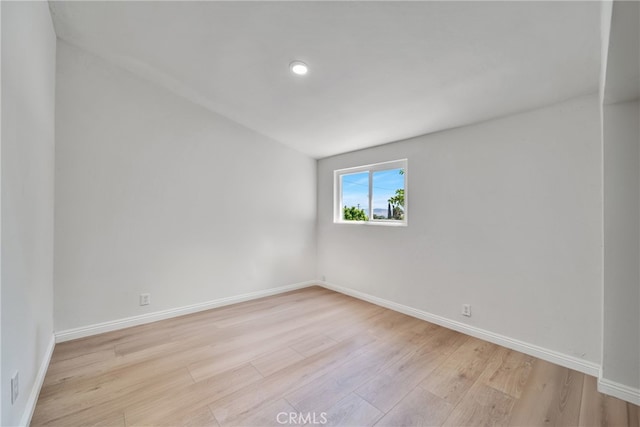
(155, 194)
(1, 102)
(28, 91)
(621, 343)
(504, 215)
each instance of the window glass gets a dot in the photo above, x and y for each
(372, 194)
(388, 194)
(355, 196)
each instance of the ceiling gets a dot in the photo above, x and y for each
(379, 71)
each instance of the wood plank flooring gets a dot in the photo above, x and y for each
(311, 357)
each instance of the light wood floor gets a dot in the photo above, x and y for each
(311, 352)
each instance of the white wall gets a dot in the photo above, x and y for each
(1, 127)
(619, 97)
(621, 335)
(28, 89)
(155, 194)
(504, 215)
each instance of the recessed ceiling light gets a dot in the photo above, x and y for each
(299, 68)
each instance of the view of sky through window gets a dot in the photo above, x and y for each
(355, 190)
(386, 183)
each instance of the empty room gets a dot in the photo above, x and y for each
(332, 213)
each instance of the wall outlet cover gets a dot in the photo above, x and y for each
(15, 387)
(145, 299)
(466, 310)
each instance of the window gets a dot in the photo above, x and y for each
(372, 194)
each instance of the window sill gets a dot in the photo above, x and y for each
(374, 223)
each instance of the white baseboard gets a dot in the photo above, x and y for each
(589, 368)
(621, 391)
(113, 325)
(37, 384)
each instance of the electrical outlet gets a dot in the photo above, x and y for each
(466, 310)
(324, 278)
(145, 299)
(15, 387)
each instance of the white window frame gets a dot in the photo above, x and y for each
(375, 167)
